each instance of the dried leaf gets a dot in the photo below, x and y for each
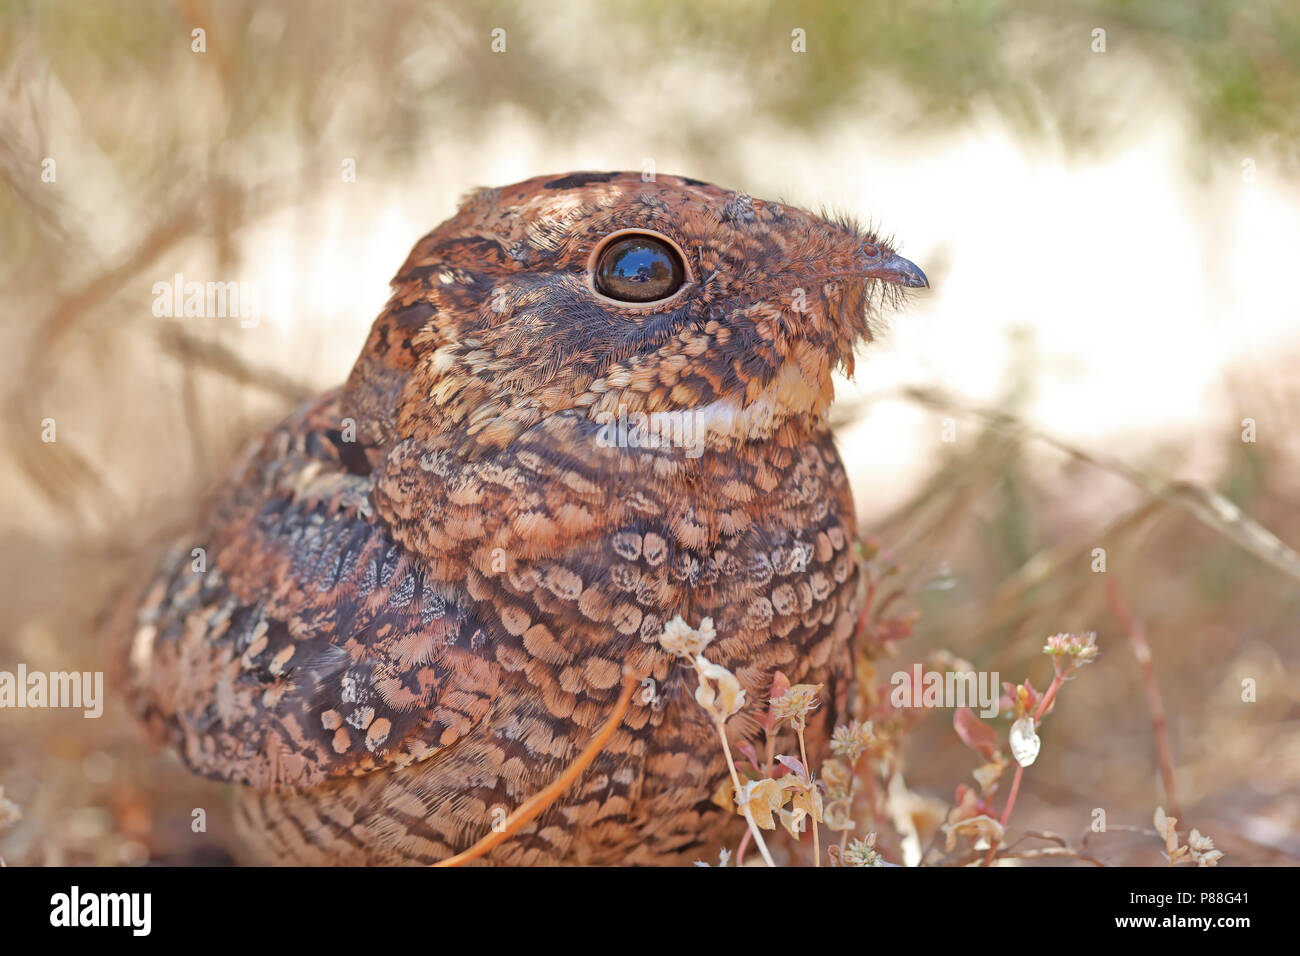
(837, 775)
(792, 763)
(974, 733)
(988, 774)
(761, 797)
(724, 795)
(978, 828)
(838, 815)
(808, 799)
(794, 820)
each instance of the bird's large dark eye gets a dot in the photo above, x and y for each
(639, 269)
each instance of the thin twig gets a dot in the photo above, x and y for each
(1039, 853)
(1159, 724)
(216, 357)
(1206, 505)
(807, 774)
(539, 801)
(744, 807)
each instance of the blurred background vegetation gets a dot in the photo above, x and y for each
(1110, 234)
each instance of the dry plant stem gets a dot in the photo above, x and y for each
(1159, 725)
(534, 805)
(217, 358)
(803, 755)
(735, 782)
(1006, 814)
(1206, 505)
(1040, 853)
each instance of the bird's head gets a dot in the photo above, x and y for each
(601, 293)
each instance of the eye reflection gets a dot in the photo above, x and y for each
(639, 269)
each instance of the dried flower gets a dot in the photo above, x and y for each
(1202, 849)
(722, 701)
(724, 858)
(1020, 698)
(682, 640)
(862, 853)
(1082, 647)
(721, 696)
(851, 740)
(1199, 849)
(796, 704)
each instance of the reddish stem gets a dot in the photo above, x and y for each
(1044, 702)
(1050, 696)
(1156, 707)
(1011, 799)
(740, 850)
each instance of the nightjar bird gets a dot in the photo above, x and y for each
(592, 405)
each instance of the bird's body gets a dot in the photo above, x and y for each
(423, 592)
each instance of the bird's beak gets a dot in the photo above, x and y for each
(896, 269)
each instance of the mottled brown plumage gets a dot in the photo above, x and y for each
(423, 590)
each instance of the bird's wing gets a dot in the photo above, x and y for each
(301, 642)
